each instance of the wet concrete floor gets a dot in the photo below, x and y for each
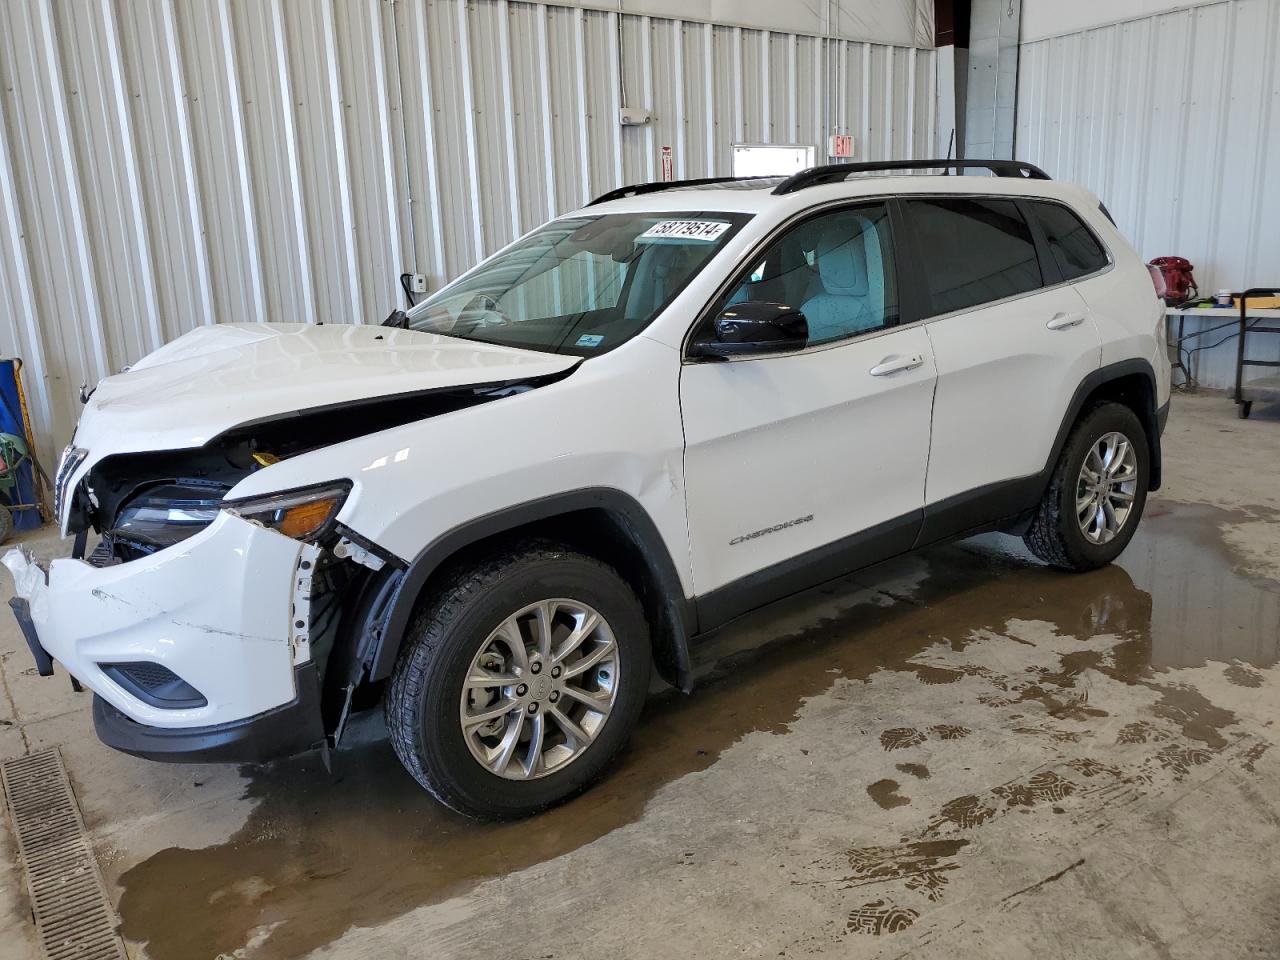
(857, 766)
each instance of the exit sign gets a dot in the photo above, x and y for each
(840, 145)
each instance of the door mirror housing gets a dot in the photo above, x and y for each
(754, 327)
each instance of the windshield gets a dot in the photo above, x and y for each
(579, 286)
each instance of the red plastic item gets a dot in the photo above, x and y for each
(1179, 281)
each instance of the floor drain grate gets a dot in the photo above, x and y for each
(74, 917)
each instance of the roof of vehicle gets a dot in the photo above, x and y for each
(823, 184)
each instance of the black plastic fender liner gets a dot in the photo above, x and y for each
(360, 629)
(22, 613)
(676, 614)
(1147, 414)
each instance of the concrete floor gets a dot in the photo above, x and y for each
(960, 754)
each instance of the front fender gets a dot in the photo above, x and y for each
(674, 612)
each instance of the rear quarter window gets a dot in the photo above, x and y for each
(1074, 247)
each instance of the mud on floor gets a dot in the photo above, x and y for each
(1089, 681)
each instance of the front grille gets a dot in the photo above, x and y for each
(149, 675)
(71, 458)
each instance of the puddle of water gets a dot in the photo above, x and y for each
(321, 853)
(886, 794)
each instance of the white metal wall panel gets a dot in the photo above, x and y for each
(1172, 120)
(171, 163)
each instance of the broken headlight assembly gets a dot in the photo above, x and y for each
(167, 513)
(305, 514)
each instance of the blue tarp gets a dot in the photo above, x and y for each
(11, 422)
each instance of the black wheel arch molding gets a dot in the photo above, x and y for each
(1116, 381)
(393, 593)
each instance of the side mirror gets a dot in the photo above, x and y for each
(755, 327)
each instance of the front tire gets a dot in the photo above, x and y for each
(521, 679)
(1097, 493)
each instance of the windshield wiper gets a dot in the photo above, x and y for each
(397, 319)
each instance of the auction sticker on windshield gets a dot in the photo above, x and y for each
(706, 230)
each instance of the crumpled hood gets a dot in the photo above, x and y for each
(217, 377)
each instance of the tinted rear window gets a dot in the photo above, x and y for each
(1075, 249)
(973, 250)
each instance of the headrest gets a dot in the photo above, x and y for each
(841, 259)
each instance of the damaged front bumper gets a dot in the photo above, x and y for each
(292, 728)
(199, 651)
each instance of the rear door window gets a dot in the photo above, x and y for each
(973, 250)
(1075, 249)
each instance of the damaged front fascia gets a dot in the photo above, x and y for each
(229, 457)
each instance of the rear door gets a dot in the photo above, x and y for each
(1011, 342)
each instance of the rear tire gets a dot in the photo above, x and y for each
(461, 648)
(1097, 493)
(6, 523)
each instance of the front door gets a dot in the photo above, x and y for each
(802, 466)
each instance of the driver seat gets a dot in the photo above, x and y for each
(850, 267)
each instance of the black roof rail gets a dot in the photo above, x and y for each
(636, 189)
(835, 172)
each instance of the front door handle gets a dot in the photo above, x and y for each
(896, 364)
(1062, 321)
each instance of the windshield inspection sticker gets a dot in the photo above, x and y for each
(705, 230)
(590, 340)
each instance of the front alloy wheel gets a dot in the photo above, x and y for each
(522, 676)
(539, 689)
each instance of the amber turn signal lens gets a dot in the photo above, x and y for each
(305, 519)
(301, 514)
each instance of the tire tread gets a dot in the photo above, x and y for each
(459, 590)
(1046, 536)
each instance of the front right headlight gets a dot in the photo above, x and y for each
(303, 514)
(168, 513)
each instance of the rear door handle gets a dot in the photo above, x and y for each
(896, 364)
(1062, 321)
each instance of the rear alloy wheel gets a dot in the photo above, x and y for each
(1095, 498)
(520, 680)
(1106, 488)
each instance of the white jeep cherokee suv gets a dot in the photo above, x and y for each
(635, 423)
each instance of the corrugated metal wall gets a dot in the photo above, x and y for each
(1174, 121)
(168, 163)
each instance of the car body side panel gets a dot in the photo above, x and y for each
(788, 454)
(614, 423)
(1004, 378)
(1130, 318)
